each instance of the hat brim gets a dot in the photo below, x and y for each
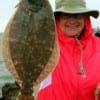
(93, 13)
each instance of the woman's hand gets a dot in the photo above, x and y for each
(97, 92)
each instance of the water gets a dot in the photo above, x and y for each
(5, 76)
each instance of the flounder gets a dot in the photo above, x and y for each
(30, 48)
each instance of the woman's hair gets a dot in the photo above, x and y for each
(57, 15)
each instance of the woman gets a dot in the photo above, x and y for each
(77, 73)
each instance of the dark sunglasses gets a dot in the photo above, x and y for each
(75, 16)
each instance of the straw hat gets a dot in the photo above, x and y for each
(74, 7)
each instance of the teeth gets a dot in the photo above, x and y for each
(72, 26)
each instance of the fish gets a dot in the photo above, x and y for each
(30, 47)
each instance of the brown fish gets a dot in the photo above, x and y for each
(30, 47)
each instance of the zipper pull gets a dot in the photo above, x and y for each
(82, 71)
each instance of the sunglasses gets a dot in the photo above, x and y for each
(75, 16)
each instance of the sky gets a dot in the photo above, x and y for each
(7, 8)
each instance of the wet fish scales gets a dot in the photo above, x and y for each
(31, 43)
(28, 42)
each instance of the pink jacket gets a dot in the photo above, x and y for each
(67, 82)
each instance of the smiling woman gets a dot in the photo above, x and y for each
(77, 72)
(71, 24)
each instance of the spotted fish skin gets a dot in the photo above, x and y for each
(30, 43)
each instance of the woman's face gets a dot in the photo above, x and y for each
(71, 25)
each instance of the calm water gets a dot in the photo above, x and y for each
(5, 76)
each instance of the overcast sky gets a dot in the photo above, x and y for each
(7, 8)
